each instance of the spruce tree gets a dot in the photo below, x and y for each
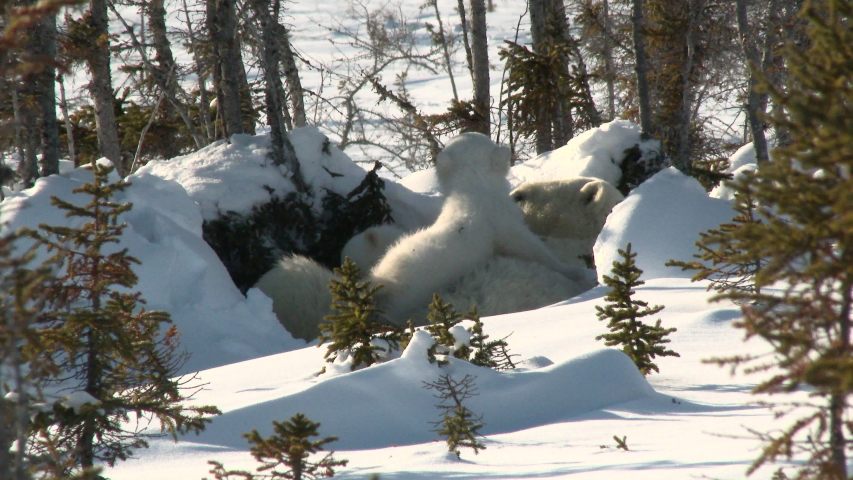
(805, 203)
(286, 453)
(111, 358)
(354, 331)
(639, 341)
(459, 425)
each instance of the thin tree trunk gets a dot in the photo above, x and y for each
(753, 99)
(165, 81)
(608, 64)
(69, 129)
(204, 101)
(163, 66)
(29, 135)
(544, 121)
(222, 26)
(480, 57)
(281, 150)
(19, 128)
(44, 88)
(445, 49)
(641, 67)
(101, 87)
(291, 76)
(694, 12)
(463, 19)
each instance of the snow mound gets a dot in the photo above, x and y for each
(394, 408)
(661, 219)
(179, 273)
(233, 177)
(598, 153)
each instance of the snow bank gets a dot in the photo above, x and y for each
(393, 408)
(179, 273)
(661, 219)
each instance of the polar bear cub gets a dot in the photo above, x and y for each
(366, 248)
(477, 221)
(568, 213)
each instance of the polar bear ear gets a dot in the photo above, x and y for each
(590, 192)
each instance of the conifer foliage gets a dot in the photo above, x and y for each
(472, 345)
(111, 359)
(459, 425)
(286, 453)
(639, 341)
(805, 203)
(355, 331)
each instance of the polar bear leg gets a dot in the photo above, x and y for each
(299, 289)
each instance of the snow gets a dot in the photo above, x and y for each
(553, 417)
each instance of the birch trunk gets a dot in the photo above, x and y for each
(753, 98)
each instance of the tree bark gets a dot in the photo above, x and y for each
(163, 68)
(641, 67)
(69, 129)
(291, 76)
(608, 64)
(101, 88)
(222, 28)
(480, 65)
(204, 101)
(44, 47)
(544, 133)
(281, 150)
(682, 158)
(463, 20)
(754, 104)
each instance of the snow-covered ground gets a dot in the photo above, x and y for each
(553, 417)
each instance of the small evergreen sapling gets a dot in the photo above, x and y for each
(102, 346)
(475, 347)
(639, 341)
(354, 331)
(459, 425)
(285, 454)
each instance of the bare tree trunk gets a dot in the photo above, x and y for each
(480, 65)
(204, 101)
(754, 103)
(281, 150)
(29, 134)
(222, 28)
(101, 87)
(445, 49)
(463, 19)
(69, 129)
(291, 76)
(44, 89)
(163, 68)
(682, 158)
(20, 140)
(641, 67)
(544, 133)
(608, 64)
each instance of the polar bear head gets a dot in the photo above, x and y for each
(574, 207)
(366, 248)
(470, 159)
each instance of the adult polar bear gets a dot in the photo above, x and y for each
(477, 221)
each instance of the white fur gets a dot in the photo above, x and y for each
(299, 289)
(568, 213)
(366, 248)
(477, 221)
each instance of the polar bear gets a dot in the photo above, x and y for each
(299, 289)
(477, 221)
(366, 248)
(568, 213)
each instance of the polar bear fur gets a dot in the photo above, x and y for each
(477, 221)
(366, 248)
(568, 213)
(299, 289)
